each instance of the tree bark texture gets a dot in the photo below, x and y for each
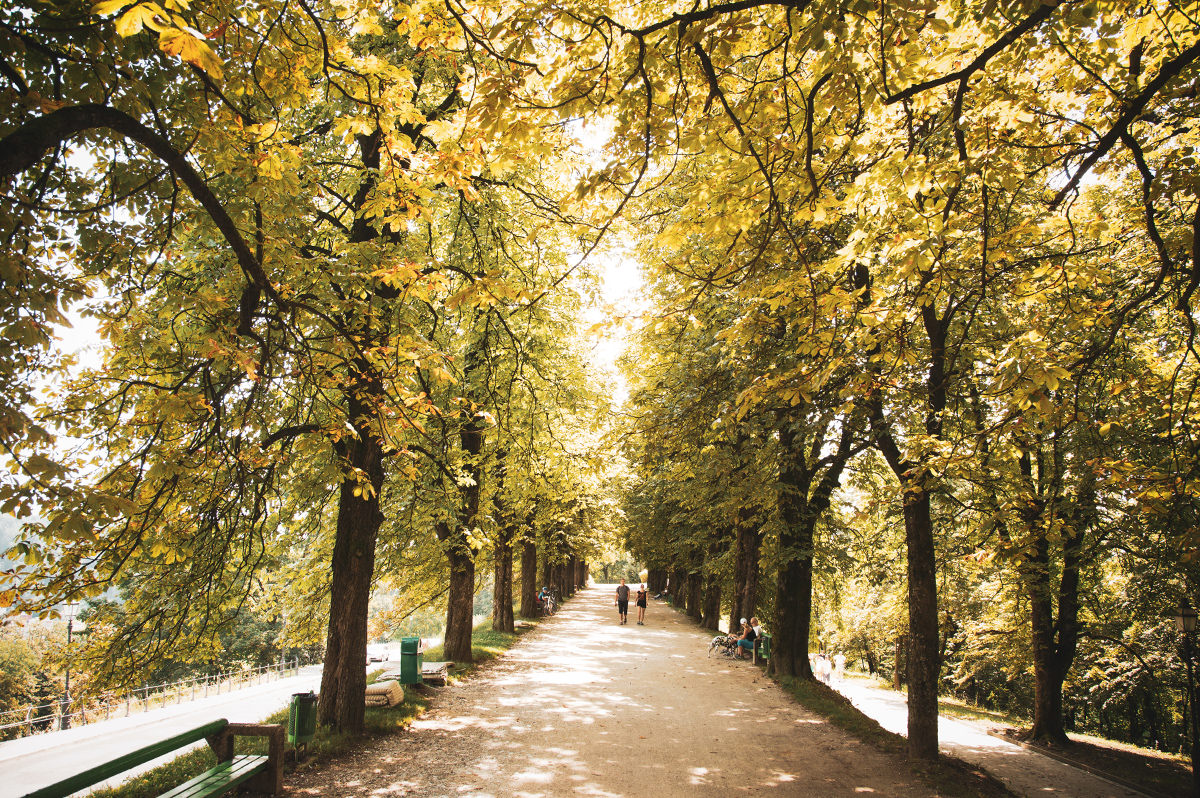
(801, 505)
(502, 604)
(745, 569)
(502, 576)
(924, 665)
(344, 680)
(529, 586)
(711, 610)
(460, 606)
(793, 591)
(1054, 640)
(695, 600)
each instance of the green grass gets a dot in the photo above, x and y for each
(486, 645)
(961, 709)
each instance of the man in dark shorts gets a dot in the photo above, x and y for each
(623, 601)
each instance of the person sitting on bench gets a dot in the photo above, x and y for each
(746, 641)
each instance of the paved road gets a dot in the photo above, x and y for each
(1025, 772)
(40, 760)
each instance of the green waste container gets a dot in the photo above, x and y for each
(410, 660)
(302, 718)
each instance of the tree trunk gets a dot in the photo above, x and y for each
(711, 611)
(460, 605)
(924, 668)
(569, 575)
(502, 603)
(1054, 642)
(502, 581)
(793, 590)
(560, 580)
(344, 679)
(529, 586)
(547, 565)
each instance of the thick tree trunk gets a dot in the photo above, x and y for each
(695, 600)
(924, 667)
(529, 586)
(460, 604)
(1051, 658)
(711, 611)
(569, 576)
(739, 577)
(1054, 641)
(561, 581)
(547, 565)
(502, 575)
(793, 587)
(502, 604)
(745, 569)
(344, 680)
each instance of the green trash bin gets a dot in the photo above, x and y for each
(302, 718)
(410, 660)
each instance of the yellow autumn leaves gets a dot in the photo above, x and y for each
(175, 36)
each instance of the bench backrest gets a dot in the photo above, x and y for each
(123, 763)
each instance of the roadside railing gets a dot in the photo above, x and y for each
(26, 721)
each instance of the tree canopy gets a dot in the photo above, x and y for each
(915, 374)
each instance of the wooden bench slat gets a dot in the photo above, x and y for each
(87, 778)
(220, 779)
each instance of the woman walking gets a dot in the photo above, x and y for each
(641, 605)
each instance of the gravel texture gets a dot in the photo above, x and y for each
(584, 706)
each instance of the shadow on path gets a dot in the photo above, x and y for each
(584, 706)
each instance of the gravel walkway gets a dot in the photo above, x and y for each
(584, 706)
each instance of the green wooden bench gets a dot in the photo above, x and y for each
(762, 648)
(261, 773)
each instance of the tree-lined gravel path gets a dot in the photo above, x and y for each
(584, 706)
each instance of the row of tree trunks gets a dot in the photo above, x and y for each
(656, 580)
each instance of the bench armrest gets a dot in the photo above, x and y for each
(270, 781)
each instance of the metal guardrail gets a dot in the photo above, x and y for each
(63, 714)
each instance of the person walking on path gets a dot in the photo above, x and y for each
(623, 601)
(641, 605)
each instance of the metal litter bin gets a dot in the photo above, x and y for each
(410, 660)
(302, 718)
